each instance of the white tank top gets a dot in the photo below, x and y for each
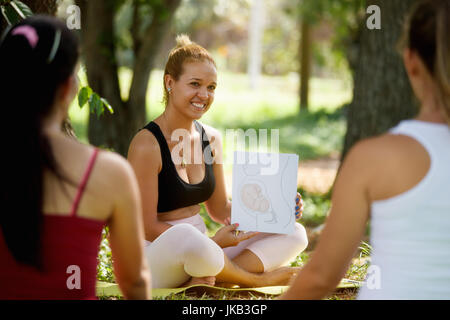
(410, 233)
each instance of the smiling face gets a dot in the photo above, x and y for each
(193, 93)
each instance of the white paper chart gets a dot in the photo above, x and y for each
(264, 190)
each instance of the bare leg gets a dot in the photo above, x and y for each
(249, 261)
(232, 273)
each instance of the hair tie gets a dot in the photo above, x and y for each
(28, 32)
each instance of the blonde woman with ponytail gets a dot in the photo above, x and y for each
(400, 181)
(174, 182)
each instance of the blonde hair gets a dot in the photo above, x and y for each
(427, 32)
(185, 50)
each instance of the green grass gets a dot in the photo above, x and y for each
(316, 208)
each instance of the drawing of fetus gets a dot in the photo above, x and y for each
(261, 197)
(255, 199)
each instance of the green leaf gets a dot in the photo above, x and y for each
(10, 15)
(96, 105)
(107, 105)
(26, 11)
(83, 96)
(15, 11)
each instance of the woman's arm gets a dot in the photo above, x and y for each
(144, 156)
(127, 234)
(343, 231)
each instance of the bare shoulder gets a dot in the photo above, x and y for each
(113, 172)
(108, 164)
(386, 148)
(144, 154)
(387, 165)
(144, 144)
(112, 162)
(366, 160)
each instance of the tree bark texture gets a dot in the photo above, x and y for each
(382, 95)
(99, 50)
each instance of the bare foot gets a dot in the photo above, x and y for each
(279, 277)
(210, 281)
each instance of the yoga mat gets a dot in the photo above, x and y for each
(112, 289)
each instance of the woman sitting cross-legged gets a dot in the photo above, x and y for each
(178, 250)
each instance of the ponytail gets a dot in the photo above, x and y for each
(36, 57)
(427, 32)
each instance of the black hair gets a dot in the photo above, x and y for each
(31, 73)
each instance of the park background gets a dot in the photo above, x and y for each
(326, 73)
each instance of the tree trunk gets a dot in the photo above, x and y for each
(255, 33)
(382, 94)
(97, 26)
(115, 131)
(305, 63)
(144, 61)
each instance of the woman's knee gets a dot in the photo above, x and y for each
(201, 256)
(299, 237)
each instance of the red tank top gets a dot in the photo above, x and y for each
(70, 246)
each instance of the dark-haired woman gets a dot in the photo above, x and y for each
(57, 194)
(401, 181)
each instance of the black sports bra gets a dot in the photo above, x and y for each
(174, 192)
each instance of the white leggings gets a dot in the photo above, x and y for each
(185, 251)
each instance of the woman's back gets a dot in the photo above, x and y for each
(69, 244)
(74, 214)
(73, 218)
(73, 159)
(57, 194)
(409, 231)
